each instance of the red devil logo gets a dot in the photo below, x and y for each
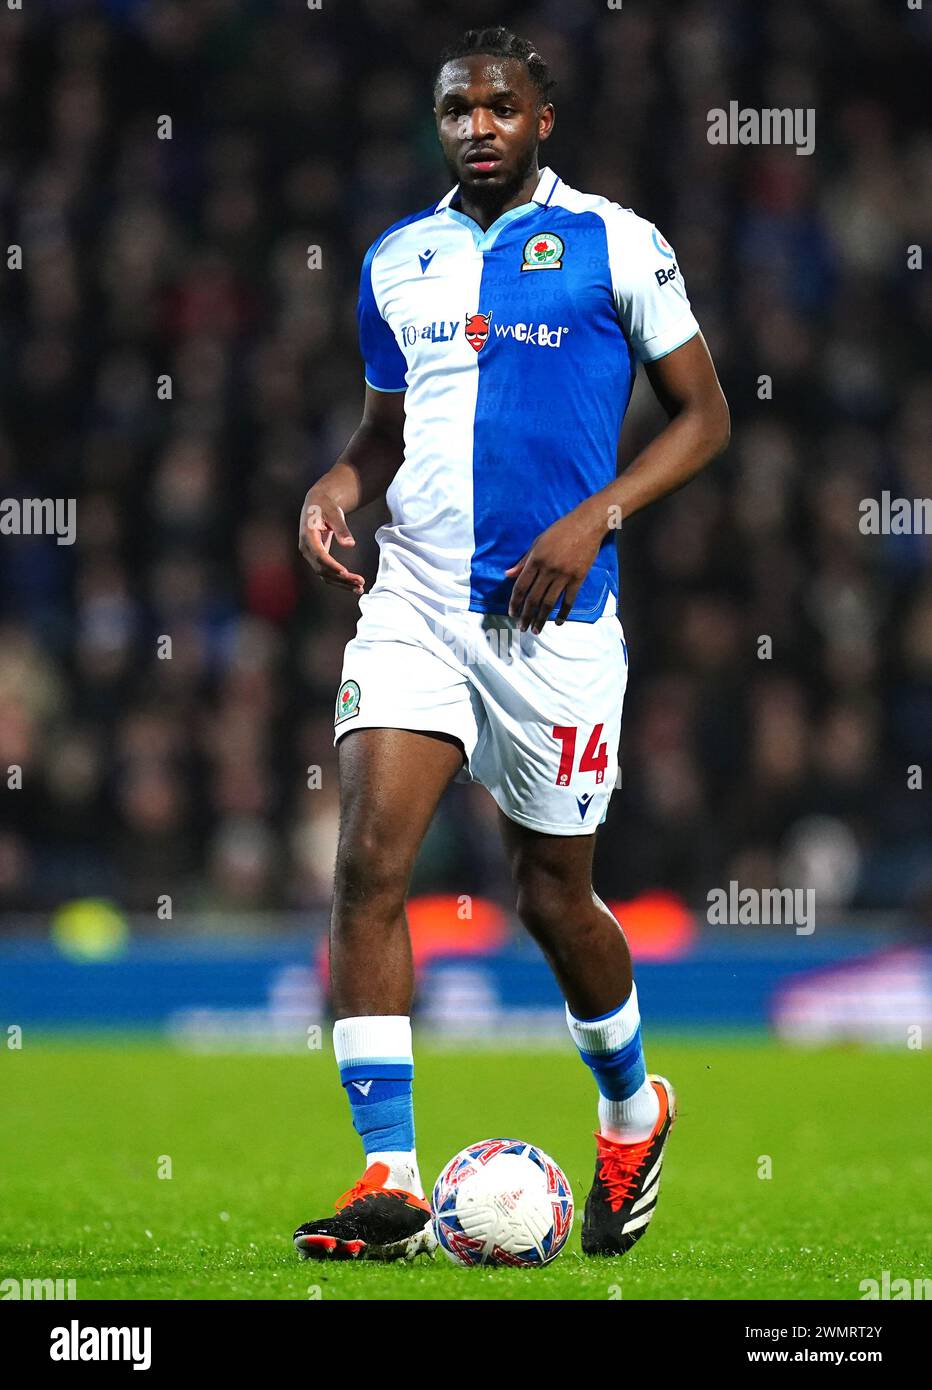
(477, 329)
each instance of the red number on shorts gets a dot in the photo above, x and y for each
(594, 758)
(566, 733)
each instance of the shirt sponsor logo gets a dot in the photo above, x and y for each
(477, 330)
(441, 331)
(533, 334)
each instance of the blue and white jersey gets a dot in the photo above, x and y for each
(517, 348)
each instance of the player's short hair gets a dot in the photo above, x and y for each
(499, 42)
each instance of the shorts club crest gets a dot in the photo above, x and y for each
(347, 700)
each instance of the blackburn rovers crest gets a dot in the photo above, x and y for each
(543, 252)
(347, 701)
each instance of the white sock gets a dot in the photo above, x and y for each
(629, 1121)
(402, 1169)
(599, 1040)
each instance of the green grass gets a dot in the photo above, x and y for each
(258, 1144)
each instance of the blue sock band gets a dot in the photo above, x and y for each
(620, 1073)
(381, 1099)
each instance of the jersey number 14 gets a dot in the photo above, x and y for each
(594, 757)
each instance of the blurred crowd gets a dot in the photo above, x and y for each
(169, 359)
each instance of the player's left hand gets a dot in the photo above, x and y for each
(557, 563)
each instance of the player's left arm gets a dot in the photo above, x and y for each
(686, 385)
(655, 314)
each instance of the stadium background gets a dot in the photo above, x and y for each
(126, 1020)
(188, 777)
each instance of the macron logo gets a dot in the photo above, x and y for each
(583, 803)
(363, 1087)
(425, 258)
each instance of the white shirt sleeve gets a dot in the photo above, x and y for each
(650, 295)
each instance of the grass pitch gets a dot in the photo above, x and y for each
(257, 1144)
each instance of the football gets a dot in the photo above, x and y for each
(502, 1202)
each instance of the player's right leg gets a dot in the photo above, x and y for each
(549, 758)
(390, 783)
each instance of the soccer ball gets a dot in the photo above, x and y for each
(502, 1202)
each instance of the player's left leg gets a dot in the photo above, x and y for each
(589, 956)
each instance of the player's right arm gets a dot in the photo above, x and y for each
(363, 472)
(373, 456)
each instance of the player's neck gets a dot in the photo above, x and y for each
(485, 212)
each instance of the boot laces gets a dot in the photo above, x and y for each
(372, 1181)
(619, 1168)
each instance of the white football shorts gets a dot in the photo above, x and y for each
(539, 717)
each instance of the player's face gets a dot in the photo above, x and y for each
(490, 122)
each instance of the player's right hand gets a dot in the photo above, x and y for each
(322, 521)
